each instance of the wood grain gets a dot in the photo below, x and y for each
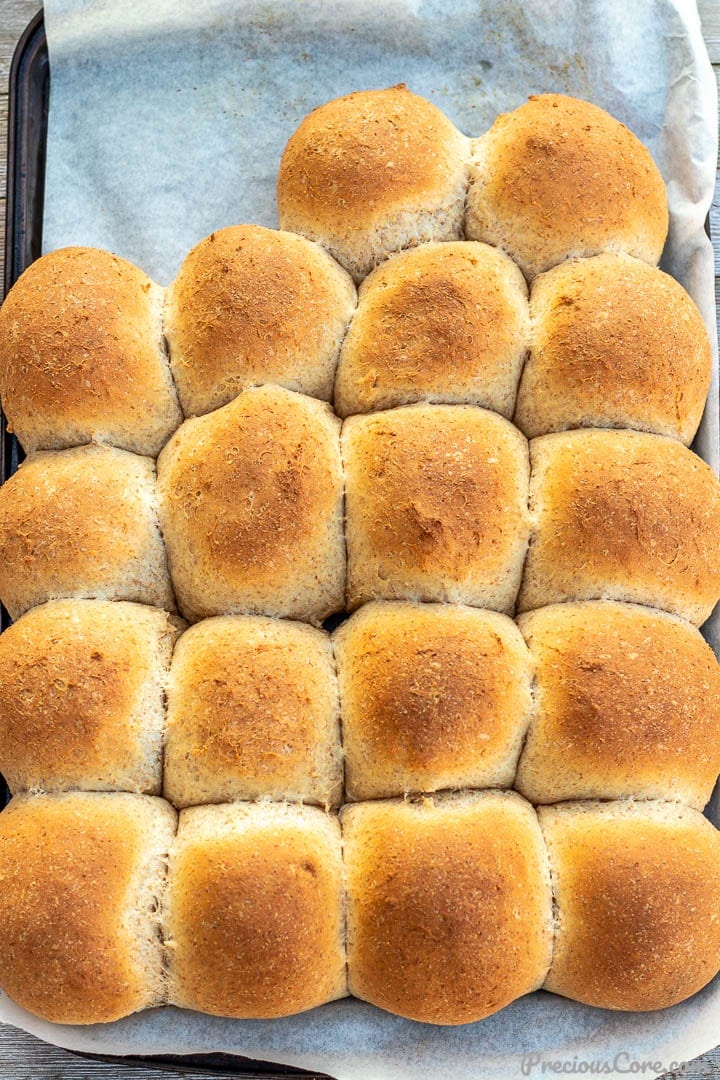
(710, 19)
(21, 1056)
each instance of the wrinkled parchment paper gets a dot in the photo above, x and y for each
(167, 121)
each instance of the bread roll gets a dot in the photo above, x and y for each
(371, 173)
(616, 343)
(82, 355)
(622, 516)
(251, 508)
(433, 696)
(442, 322)
(82, 523)
(627, 703)
(560, 177)
(436, 506)
(253, 713)
(252, 305)
(449, 905)
(82, 877)
(637, 892)
(82, 687)
(255, 910)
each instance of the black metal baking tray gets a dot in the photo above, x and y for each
(29, 94)
(29, 91)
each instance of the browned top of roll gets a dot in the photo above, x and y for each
(372, 173)
(627, 703)
(436, 505)
(558, 177)
(252, 711)
(434, 696)
(365, 153)
(251, 499)
(81, 522)
(449, 914)
(623, 515)
(252, 305)
(245, 505)
(81, 696)
(255, 910)
(74, 948)
(81, 355)
(638, 895)
(441, 322)
(616, 343)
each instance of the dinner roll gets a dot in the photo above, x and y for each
(82, 877)
(449, 904)
(442, 322)
(622, 516)
(627, 704)
(253, 712)
(436, 506)
(82, 355)
(254, 920)
(82, 696)
(616, 343)
(433, 696)
(371, 173)
(252, 305)
(560, 177)
(637, 890)
(82, 523)
(251, 508)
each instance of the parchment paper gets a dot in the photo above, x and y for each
(167, 121)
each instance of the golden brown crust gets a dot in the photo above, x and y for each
(559, 177)
(344, 147)
(251, 508)
(622, 516)
(442, 322)
(252, 712)
(616, 343)
(627, 703)
(436, 506)
(255, 910)
(433, 696)
(252, 305)
(81, 355)
(81, 696)
(637, 888)
(371, 173)
(81, 522)
(69, 875)
(449, 915)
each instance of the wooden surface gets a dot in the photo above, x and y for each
(21, 1056)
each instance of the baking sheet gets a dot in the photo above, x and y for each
(167, 121)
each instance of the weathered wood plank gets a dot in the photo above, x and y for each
(710, 19)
